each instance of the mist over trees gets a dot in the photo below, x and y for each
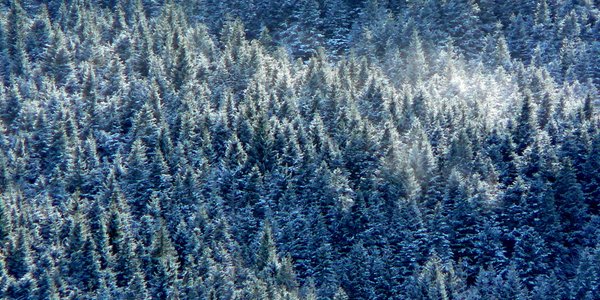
(306, 149)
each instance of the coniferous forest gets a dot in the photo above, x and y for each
(299, 149)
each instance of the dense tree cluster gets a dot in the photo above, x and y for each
(267, 149)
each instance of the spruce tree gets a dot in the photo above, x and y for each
(58, 62)
(137, 178)
(18, 255)
(5, 220)
(267, 260)
(162, 278)
(15, 39)
(39, 36)
(525, 128)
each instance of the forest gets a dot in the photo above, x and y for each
(299, 149)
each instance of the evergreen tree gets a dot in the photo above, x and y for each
(83, 266)
(525, 128)
(305, 149)
(510, 286)
(137, 178)
(23, 288)
(530, 255)
(304, 34)
(267, 259)
(39, 36)
(5, 221)
(592, 188)
(184, 64)
(46, 283)
(570, 203)
(417, 67)
(585, 284)
(336, 25)
(18, 256)
(99, 233)
(463, 19)
(588, 108)
(11, 105)
(163, 279)
(58, 58)
(15, 39)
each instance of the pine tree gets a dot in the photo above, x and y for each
(585, 283)
(136, 288)
(266, 259)
(184, 67)
(58, 58)
(548, 287)
(545, 111)
(526, 127)
(286, 276)
(434, 280)
(465, 25)
(99, 233)
(83, 266)
(146, 127)
(126, 265)
(570, 203)
(22, 288)
(356, 280)
(163, 279)
(5, 279)
(460, 152)
(336, 25)
(530, 255)
(304, 34)
(592, 188)
(325, 270)
(39, 36)
(143, 54)
(18, 255)
(502, 53)
(373, 30)
(92, 177)
(5, 220)
(46, 280)
(417, 68)
(588, 108)
(11, 105)
(340, 294)
(137, 178)
(510, 286)
(15, 39)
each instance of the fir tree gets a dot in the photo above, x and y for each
(15, 39)
(38, 37)
(525, 127)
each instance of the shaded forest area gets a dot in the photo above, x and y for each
(308, 149)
